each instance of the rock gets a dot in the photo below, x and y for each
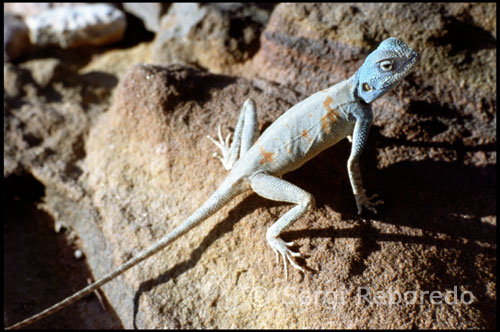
(309, 39)
(124, 178)
(136, 140)
(144, 180)
(309, 47)
(149, 12)
(77, 26)
(15, 37)
(213, 36)
(39, 266)
(24, 9)
(46, 116)
(48, 109)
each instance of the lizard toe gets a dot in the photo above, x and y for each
(280, 246)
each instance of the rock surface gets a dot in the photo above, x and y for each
(84, 25)
(216, 36)
(25, 9)
(141, 170)
(48, 108)
(122, 178)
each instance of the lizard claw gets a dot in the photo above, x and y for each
(280, 246)
(367, 202)
(223, 145)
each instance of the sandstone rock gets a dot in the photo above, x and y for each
(39, 265)
(144, 147)
(145, 181)
(67, 27)
(48, 109)
(124, 179)
(302, 41)
(309, 47)
(213, 36)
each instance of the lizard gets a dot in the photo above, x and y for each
(309, 127)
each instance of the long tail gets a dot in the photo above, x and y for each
(226, 191)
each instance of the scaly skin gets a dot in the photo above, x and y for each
(298, 135)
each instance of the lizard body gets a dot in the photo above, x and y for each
(306, 129)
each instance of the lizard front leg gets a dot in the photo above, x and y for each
(245, 134)
(359, 192)
(276, 189)
(359, 137)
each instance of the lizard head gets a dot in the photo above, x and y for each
(384, 68)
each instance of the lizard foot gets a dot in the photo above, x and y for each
(278, 245)
(223, 146)
(367, 202)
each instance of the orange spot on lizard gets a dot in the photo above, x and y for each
(266, 156)
(330, 116)
(305, 134)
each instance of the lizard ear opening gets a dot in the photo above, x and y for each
(366, 87)
(368, 92)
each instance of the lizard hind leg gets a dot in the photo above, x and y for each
(276, 189)
(245, 134)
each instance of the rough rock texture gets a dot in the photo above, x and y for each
(48, 108)
(308, 47)
(145, 180)
(143, 151)
(303, 41)
(41, 265)
(67, 27)
(121, 179)
(215, 36)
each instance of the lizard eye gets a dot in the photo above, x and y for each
(386, 65)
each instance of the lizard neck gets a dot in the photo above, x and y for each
(355, 82)
(351, 84)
